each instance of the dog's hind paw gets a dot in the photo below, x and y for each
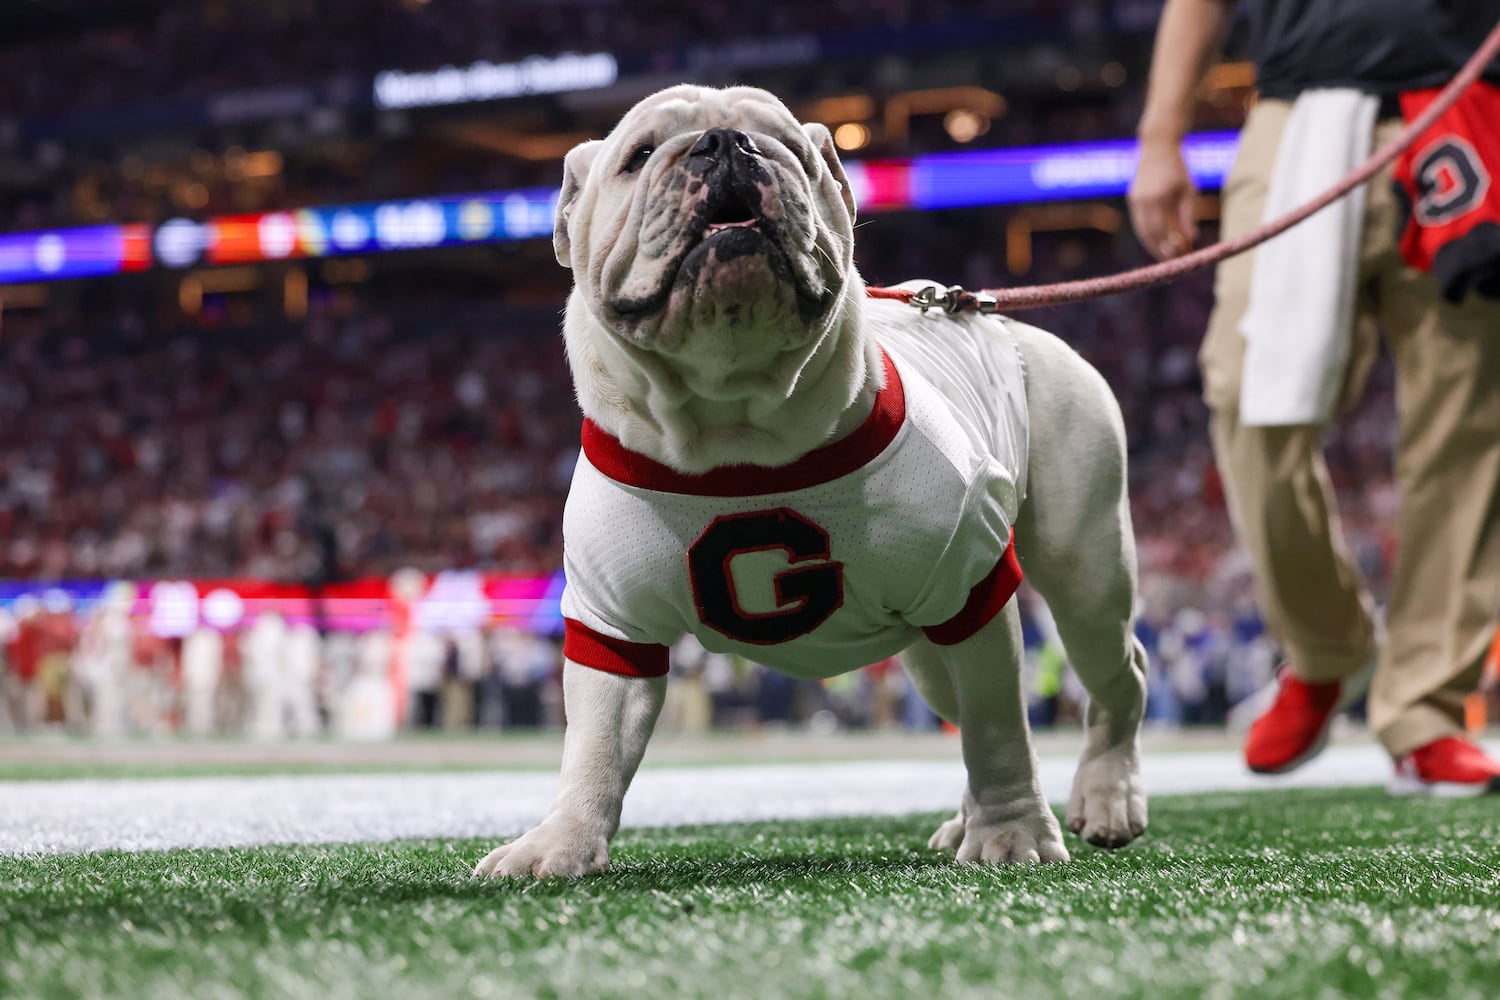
(1032, 837)
(1107, 807)
(554, 849)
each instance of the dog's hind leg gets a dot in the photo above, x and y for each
(930, 676)
(1076, 546)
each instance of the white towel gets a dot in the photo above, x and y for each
(1298, 324)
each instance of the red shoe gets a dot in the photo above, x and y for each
(1451, 767)
(1294, 729)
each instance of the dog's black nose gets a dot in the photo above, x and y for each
(717, 142)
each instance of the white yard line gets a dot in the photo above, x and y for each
(153, 814)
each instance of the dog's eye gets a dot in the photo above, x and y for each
(638, 158)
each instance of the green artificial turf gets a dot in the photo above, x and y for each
(1294, 894)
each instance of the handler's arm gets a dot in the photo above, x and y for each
(1162, 195)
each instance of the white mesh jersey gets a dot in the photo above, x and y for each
(836, 561)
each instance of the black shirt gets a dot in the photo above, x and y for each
(1380, 46)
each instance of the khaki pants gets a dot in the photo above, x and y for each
(1446, 588)
(688, 707)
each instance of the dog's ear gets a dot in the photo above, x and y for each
(822, 141)
(576, 166)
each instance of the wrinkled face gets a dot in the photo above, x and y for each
(709, 225)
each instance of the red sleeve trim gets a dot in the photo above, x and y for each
(985, 601)
(583, 645)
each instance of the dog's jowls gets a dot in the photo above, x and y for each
(815, 480)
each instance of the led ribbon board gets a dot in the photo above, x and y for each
(938, 181)
(373, 227)
(977, 177)
(85, 252)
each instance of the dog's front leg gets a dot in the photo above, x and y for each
(610, 719)
(1005, 817)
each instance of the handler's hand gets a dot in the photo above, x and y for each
(1162, 200)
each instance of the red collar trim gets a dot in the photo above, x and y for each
(828, 463)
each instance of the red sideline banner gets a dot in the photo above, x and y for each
(450, 601)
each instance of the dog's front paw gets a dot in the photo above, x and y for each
(1020, 833)
(557, 848)
(1107, 807)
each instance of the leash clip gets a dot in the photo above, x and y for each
(928, 297)
(932, 297)
(952, 300)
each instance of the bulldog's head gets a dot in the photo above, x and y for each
(711, 228)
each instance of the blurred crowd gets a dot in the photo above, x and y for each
(368, 436)
(442, 435)
(221, 46)
(101, 672)
(350, 444)
(382, 430)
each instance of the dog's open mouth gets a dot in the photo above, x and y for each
(732, 213)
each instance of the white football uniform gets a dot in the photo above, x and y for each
(836, 561)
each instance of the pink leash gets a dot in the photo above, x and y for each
(956, 299)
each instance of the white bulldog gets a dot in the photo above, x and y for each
(792, 471)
